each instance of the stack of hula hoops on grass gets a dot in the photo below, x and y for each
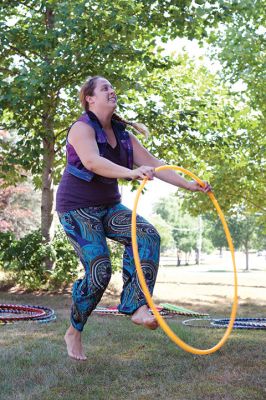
(10, 313)
(239, 323)
(199, 320)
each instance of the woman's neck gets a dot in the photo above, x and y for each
(104, 117)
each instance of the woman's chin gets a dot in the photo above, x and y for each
(113, 106)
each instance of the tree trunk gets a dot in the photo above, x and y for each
(199, 241)
(178, 258)
(47, 212)
(47, 209)
(246, 251)
(246, 247)
(197, 261)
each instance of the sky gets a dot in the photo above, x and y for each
(155, 190)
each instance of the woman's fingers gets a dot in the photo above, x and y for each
(195, 186)
(207, 187)
(149, 173)
(145, 172)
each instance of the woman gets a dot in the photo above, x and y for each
(100, 150)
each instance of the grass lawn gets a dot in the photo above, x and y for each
(126, 361)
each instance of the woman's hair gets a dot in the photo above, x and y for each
(87, 89)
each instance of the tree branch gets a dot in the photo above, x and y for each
(240, 195)
(23, 54)
(58, 150)
(59, 133)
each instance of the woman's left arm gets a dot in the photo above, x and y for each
(142, 156)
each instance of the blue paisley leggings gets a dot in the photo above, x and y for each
(87, 229)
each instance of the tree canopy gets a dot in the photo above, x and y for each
(48, 48)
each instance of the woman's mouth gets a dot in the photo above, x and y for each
(113, 99)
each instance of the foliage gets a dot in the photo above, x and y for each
(66, 261)
(198, 123)
(25, 258)
(10, 171)
(6, 238)
(245, 228)
(242, 49)
(260, 239)
(180, 225)
(51, 31)
(215, 232)
(207, 245)
(36, 37)
(114, 39)
(116, 255)
(184, 233)
(196, 120)
(19, 209)
(167, 241)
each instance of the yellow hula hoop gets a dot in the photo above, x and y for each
(141, 277)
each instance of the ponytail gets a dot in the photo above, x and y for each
(138, 127)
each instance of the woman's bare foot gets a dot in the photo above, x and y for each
(143, 317)
(74, 345)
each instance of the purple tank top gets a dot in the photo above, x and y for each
(74, 193)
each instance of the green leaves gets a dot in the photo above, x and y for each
(49, 49)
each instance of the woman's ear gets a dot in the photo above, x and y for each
(89, 100)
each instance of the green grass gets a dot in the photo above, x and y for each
(126, 361)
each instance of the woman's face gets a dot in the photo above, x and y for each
(103, 97)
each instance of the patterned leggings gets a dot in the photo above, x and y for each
(87, 229)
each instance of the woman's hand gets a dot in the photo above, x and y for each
(142, 172)
(195, 187)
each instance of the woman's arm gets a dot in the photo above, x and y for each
(82, 137)
(143, 156)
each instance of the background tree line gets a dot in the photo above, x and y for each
(190, 236)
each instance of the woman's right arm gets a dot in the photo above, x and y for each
(82, 137)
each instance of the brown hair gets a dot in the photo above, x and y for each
(87, 89)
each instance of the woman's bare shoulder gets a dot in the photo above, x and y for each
(80, 130)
